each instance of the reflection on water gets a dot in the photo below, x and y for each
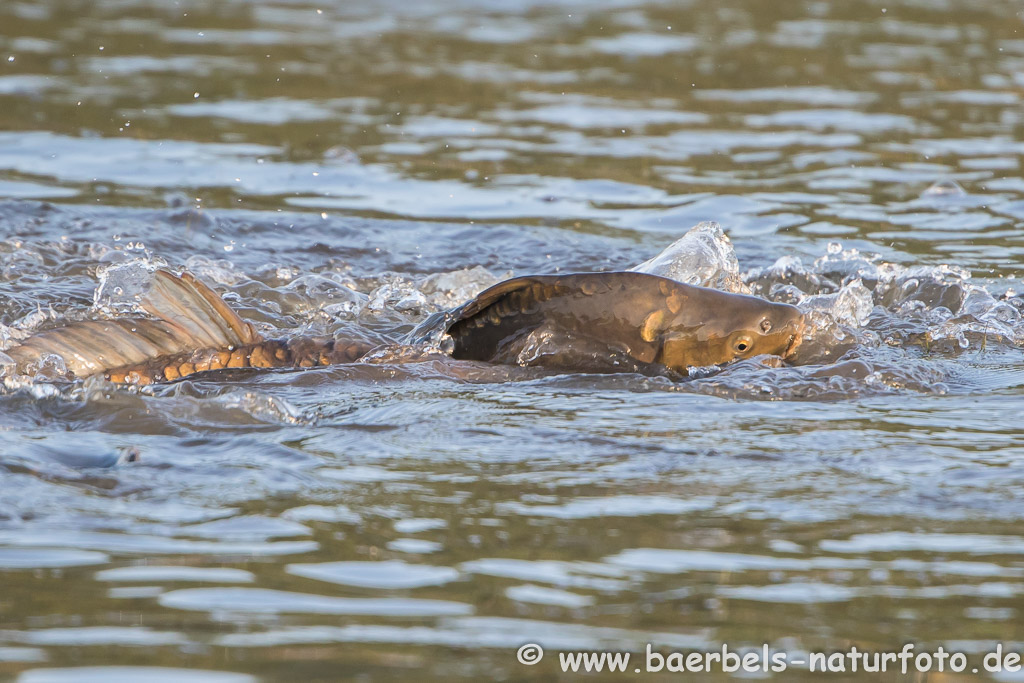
(359, 165)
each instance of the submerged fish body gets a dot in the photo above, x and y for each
(581, 322)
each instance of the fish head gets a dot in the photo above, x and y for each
(718, 327)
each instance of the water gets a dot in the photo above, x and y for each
(358, 166)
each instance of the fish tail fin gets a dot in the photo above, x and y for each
(187, 315)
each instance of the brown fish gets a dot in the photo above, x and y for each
(584, 322)
(581, 321)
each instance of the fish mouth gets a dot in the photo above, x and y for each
(796, 338)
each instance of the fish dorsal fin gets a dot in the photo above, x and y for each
(187, 316)
(186, 302)
(534, 287)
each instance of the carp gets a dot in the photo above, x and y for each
(583, 322)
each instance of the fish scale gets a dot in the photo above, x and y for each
(302, 352)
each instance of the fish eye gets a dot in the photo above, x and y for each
(742, 345)
(766, 326)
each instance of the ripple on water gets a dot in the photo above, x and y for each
(610, 506)
(588, 575)
(273, 111)
(389, 574)
(645, 44)
(815, 96)
(800, 593)
(324, 513)
(414, 546)
(87, 636)
(247, 528)
(544, 595)
(475, 632)
(22, 654)
(267, 601)
(131, 674)
(670, 561)
(364, 474)
(168, 573)
(44, 558)
(136, 544)
(23, 190)
(583, 115)
(415, 525)
(896, 541)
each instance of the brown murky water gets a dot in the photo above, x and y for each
(363, 164)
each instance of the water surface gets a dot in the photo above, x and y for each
(360, 165)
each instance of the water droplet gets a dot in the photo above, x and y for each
(945, 188)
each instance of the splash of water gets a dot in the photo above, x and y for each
(704, 256)
(122, 286)
(435, 292)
